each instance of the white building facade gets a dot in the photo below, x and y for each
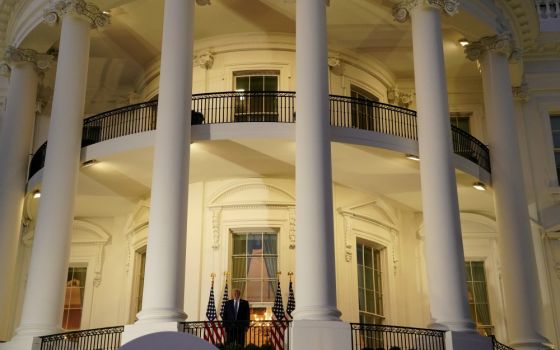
(255, 142)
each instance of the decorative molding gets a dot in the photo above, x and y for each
(5, 70)
(216, 218)
(347, 236)
(292, 222)
(204, 59)
(41, 62)
(402, 11)
(77, 8)
(501, 43)
(335, 65)
(521, 93)
(400, 98)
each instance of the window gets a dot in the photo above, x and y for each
(478, 297)
(555, 127)
(363, 111)
(255, 102)
(139, 272)
(461, 120)
(370, 291)
(254, 265)
(74, 298)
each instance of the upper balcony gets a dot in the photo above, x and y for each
(271, 107)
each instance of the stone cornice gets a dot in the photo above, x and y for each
(501, 43)
(41, 62)
(401, 11)
(78, 8)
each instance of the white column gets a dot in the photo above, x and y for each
(15, 140)
(164, 281)
(44, 294)
(517, 254)
(315, 270)
(444, 246)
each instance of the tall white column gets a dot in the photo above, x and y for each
(315, 269)
(44, 294)
(15, 140)
(443, 242)
(517, 254)
(164, 282)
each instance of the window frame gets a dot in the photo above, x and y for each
(555, 150)
(83, 295)
(381, 317)
(483, 329)
(137, 279)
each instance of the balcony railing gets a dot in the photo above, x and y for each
(499, 346)
(91, 339)
(263, 335)
(381, 337)
(272, 107)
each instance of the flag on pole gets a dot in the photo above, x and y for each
(279, 325)
(213, 330)
(291, 302)
(225, 298)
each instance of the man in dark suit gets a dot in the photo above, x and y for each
(236, 318)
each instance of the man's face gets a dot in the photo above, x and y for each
(236, 294)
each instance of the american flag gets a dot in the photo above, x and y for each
(225, 298)
(291, 303)
(278, 328)
(213, 331)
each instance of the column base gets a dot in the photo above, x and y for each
(317, 313)
(22, 343)
(540, 343)
(467, 341)
(138, 330)
(324, 335)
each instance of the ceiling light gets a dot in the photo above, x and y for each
(463, 42)
(479, 186)
(413, 157)
(37, 194)
(89, 163)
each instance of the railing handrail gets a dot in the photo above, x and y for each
(107, 338)
(435, 332)
(66, 335)
(239, 106)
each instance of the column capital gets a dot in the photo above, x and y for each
(78, 8)
(501, 43)
(13, 55)
(402, 10)
(204, 59)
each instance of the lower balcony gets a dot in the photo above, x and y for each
(261, 335)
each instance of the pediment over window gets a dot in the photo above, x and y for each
(252, 193)
(375, 211)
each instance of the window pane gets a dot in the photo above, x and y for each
(254, 244)
(369, 278)
(242, 83)
(370, 302)
(254, 290)
(555, 122)
(556, 140)
(359, 254)
(269, 244)
(360, 276)
(239, 244)
(557, 158)
(270, 83)
(239, 267)
(368, 258)
(257, 83)
(361, 298)
(270, 267)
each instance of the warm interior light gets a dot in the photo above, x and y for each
(37, 194)
(412, 157)
(479, 186)
(89, 163)
(463, 42)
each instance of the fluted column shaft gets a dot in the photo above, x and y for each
(443, 241)
(15, 139)
(164, 282)
(44, 294)
(315, 263)
(517, 254)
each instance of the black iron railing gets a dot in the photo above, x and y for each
(263, 335)
(274, 107)
(374, 337)
(92, 339)
(499, 346)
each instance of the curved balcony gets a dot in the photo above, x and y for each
(270, 107)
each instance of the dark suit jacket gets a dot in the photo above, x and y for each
(242, 312)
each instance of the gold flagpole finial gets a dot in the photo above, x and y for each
(212, 275)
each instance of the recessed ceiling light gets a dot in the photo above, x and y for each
(37, 194)
(463, 42)
(89, 163)
(413, 157)
(479, 186)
